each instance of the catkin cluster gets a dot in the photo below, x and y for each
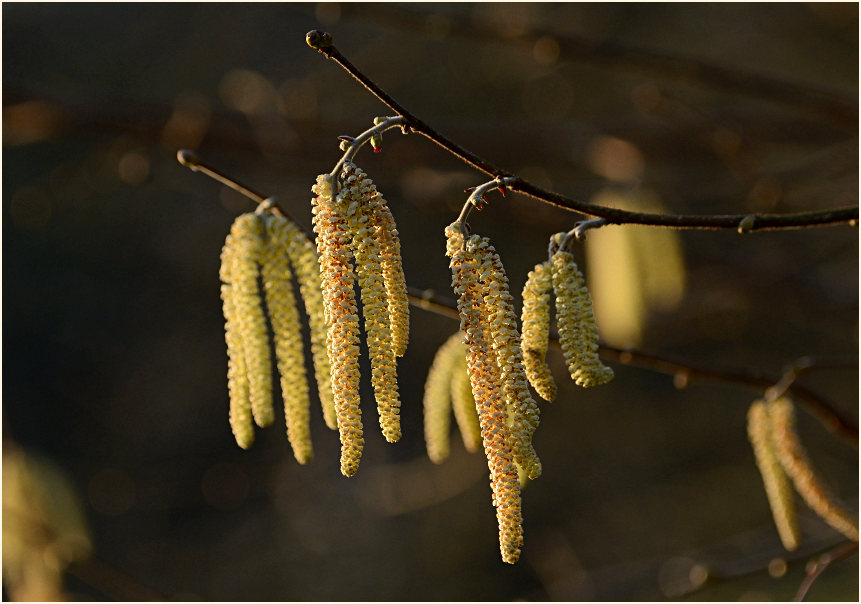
(262, 248)
(507, 414)
(357, 240)
(447, 390)
(578, 332)
(782, 460)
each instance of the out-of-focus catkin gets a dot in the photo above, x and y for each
(486, 377)
(241, 422)
(248, 249)
(303, 258)
(505, 340)
(437, 400)
(778, 489)
(794, 460)
(359, 203)
(287, 335)
(578, 332)
(342, 319)
(463, 404)
(535, 330)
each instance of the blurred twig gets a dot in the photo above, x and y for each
(819, 564)
(752, 222)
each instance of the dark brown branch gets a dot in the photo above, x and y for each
(819, 564)
(752, 222)
(684, 371)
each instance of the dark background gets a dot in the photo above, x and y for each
(113, 351)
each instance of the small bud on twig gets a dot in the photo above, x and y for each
(318, 39)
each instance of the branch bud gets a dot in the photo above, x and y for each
(377, 142)
(318, 40)
(747, 224)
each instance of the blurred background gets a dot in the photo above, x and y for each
(114, 365)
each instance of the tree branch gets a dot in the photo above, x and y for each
(819, 564)
(322, 42)
(684, 371)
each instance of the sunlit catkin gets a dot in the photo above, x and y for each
(578, 332)
(463, 404)
(241, 422)
(303, 258)
(505, 341)
(437, 401)
(794, 460)
(333, 245)
(287, 335)
(490, 403)
(778, 489)
(248, 249)
(382, 229)
(359, 204)
(535, 329)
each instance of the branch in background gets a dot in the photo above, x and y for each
(684, 372)
(831, 105)
(821, 563)
(322, 42)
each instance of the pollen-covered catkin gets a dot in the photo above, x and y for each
(463, 404)
(241, 422)
(382, 229)
(506, 345)
(437, 401)
(578, 332)
(777, 486)
(287, 335)
(303, 258)
(247, 233)
(358, 204)
(794, 460)
(535, 330)
(485, 377)
(342, 319)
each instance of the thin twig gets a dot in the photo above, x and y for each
(760, 222)
(684, 371)
(819, 564)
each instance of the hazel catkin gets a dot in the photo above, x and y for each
(578, 332)
(437, 401)
(342, 320)
(535, 330)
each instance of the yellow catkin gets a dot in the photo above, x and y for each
(506, 345)
(382, 228)
(303, 258)
(241, 422)
(535, 320)
(578, 332)
(437, 397)
(247, 232)
(463, 404)
(287, 336)
(342, 342)
(358, 203)
(486, 378)
(794, 460)
(777, 486)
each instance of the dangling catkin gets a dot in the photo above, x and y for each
(506, 345)
(794, 460)
(535, 333)
(359, 205)
(777, 485)
(382, 229)
(342, 343)
(463, 404)
(303, 257)
(247, 241)
(287, 335)
(241, 422)
(578, 333)
(437, 401)
(490, 404)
